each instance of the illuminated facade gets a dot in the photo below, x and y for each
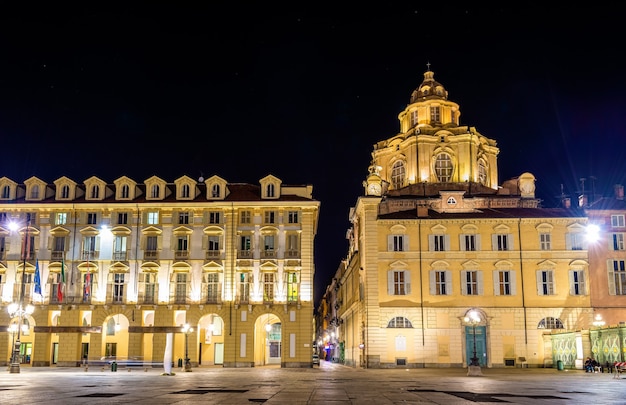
(436, 236)
(123, 265)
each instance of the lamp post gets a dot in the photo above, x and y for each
(187, 330)
(17, 309)
(473, 318)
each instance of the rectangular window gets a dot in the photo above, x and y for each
(577, 282)
(89, 248)
(92, 218)
(437, 243)
(469, 242)
(545, 282)
(545, 241)
(618, 241)
(292, 217)
(617, 277)
(153, 218)
(399, 282)
(471, 282)
(151, 247)
(292, 287)
(268, 287)
(214, 217)
(617, 221)
(246, 217)
(118, 288)
(180, 288)
(122, 218)
(440, 282)
(270, 217)
(576, 241)
(60, 218)
(181, 243)
(119, 248)
(413, 118)
(149, 283)
(213, 287)
(504, 282)
(245, 279)
(293, 246)
(502, 242)
(214, 243)
(434, 114)
(397, 243)
(183, 218)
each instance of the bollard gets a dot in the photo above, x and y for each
(114, 366)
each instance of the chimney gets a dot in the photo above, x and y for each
(567, 203)
(422, 211)
(619, 191)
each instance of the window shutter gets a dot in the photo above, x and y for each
(390, 243)
(390, 282)
(407, 281)
(405, 243)
(551, 282)
(477, 242)
(510, 241)
(446, 239)
(572, 291)
(494, 242)
(568, 241)
(496, 282)
(513, 281)
(433, 290)
(611, 277)
(448, 282)
(479, 282)
(431, 243)
(539, 283)
(462, 243)
(464, 282)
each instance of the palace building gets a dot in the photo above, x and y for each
(219, 273)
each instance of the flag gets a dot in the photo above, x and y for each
(87, 284)
(61, 281)
(37, 278)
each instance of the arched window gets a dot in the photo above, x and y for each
(398, 174)
(65, 191)
(443, 167)
(550, 323)
(399, 322)
(111, 327)
(125, 191)
(155, 191)
(95, 192)
(482, 172)
(185, 191)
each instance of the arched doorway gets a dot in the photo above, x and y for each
(211, 343)
(268, 346)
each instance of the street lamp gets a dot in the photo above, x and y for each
(187, 330)
(473, 318)
(17, 309)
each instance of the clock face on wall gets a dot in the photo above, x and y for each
(373, 189)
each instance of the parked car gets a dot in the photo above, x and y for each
(316, 359)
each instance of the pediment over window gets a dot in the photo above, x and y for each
(576, 227)
(440, 264)
(125, 188)
(544, 227)
(151, 230)
(118, 267)
(269, 266)
(470, 264)
(185, 188)
(36, 189)
(213, 230)
(182, 230)
(215, 188)
(95, 189)
(546, 264)
(212, 266)
(8, 189)
(469, 228)
(155, 188)
(87, 267)
(181, 267)
(120, 230)
(397, 229)
(89, 231)
(59, 231)
(270, 187)
(398, 264)
(438, 229)
(503, 265)
(501, 228)
(150, 267)
(65, 189)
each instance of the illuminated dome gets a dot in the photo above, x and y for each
(430, 89)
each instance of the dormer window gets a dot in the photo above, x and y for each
(95, 192)
(34, 192)
(6, 192)
(155, 191)
(215, 191)
(451, 201)
(65, 192)
(270, 190)
(184, 193)
(125, 191)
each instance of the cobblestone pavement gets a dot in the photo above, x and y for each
(329, 383)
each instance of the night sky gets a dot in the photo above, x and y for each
(246, 89)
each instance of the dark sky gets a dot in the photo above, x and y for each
(247, 89)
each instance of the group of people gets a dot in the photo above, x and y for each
(591, 365)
